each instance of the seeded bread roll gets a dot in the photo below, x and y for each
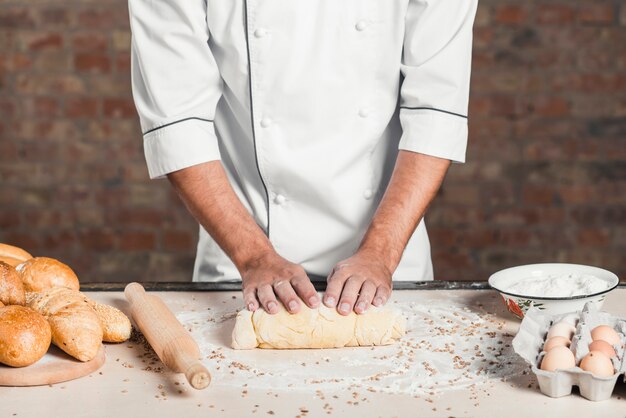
(75, 326)
(11, 287)
(116, 326)
(41, 273)
(24, 336)
(14, 252)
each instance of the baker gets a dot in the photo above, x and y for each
(306, 137)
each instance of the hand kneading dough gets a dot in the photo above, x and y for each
(317, 328)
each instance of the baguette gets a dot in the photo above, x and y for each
(11, 287)
(24, 336)
(42, 273)
(75, 326)
(12, 251)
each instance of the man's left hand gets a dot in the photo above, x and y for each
(356, 283)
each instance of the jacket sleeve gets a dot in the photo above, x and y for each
(436, 63)
(176, 83)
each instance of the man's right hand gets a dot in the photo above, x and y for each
(267, 277)
(270, 278)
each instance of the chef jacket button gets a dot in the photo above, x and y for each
(364, 113)
(361, 25)
(259, 33)
(265, 122)
(279, 199)
(368, 194)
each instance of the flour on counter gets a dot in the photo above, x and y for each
(562, 285)
(447, 346)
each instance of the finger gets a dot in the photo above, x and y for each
(366, 295)
(382, 295)
(304, 288)
(287, 295)
(267, 298)
(334, 285)
(250, 299)
(349, 294)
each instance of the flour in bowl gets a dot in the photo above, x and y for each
(562, 285)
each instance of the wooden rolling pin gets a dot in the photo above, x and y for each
(172, 343)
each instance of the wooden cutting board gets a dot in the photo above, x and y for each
(54, 367)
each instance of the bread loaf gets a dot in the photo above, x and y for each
(11, 287)
(24, 336)
(11, 261)
(41, 273)
(12, 251)
(116, 326)
(75, 326)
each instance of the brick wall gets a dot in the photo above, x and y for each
(545, 178)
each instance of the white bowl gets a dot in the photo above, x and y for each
(518, 304)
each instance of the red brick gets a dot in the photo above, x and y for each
(92, 62)
(119, 108)
(17, 17)
(597, 12)
(55, 17)
(48, 84)
(555, 13)
(538, 195)
(89, 41)
(592, 238)
(122, 62)
(108, 18)
(43, 107)
(137, 241)
(9, 219)
(177, 240)
(551, 106)
(82, 107)
(38, 41)
(511, 14)
(97, 240)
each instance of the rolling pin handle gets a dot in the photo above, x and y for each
(133, 291)
(198, 376)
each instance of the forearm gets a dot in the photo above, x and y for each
(209, 197)
(413, 185)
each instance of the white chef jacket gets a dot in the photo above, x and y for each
(306, 103)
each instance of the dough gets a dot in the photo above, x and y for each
(317, 328)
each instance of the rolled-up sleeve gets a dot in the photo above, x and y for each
(436, 63)
(176, 83)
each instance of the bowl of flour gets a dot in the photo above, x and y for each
(553, 287)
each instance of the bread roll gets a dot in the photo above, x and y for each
(75, 326)
(12, 251)
(24, 336)
(42, 273)
(116, 326)
(1, 304)
(11, 287)
(11, 261)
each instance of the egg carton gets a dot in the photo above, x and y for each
(528, 344)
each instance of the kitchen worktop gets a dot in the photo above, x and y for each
(133, 382)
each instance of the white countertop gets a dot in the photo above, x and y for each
(132, 384)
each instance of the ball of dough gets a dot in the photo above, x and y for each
(25, 336)
(43, 273)
(11, 287)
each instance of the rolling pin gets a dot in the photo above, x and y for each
(171, 342)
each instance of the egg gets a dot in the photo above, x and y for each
(606, 333)
(556, 342)
(598, 364)
(559, 357)
(603, 347)
(561, 329)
